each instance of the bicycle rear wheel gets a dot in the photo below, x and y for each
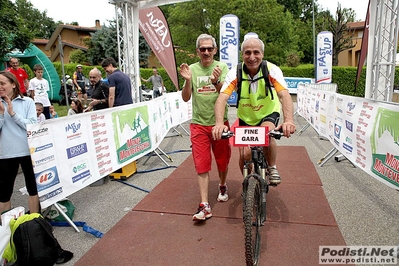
(252, 221)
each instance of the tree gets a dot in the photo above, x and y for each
(14, 33)
(342, 34)
(36, 22)
(78, 56)
(300, 9)
(274, 26)
(103, 44)
(306, 41)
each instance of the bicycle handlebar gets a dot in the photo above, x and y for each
(273, 133)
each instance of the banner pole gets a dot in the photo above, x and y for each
(159, 156)
(57, 206)
(327, 157)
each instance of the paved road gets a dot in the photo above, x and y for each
(366, 211)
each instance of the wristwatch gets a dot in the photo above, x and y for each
(216, 83)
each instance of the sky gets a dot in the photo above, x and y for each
(360, 6)
(85, 12)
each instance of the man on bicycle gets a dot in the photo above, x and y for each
(257, 106)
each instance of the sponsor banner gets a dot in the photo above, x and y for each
(376, 255)
(324, 57)
(229, 40)
(293, 83)
(229, 46)
(69, 153)
(364, 131)
(154, 27)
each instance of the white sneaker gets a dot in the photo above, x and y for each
(204, 212)
(274, 176)
(223, 196)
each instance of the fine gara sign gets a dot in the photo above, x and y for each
(251, 136)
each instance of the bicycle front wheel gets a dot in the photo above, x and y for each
(252, 221)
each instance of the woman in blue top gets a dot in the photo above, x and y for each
(16, 111)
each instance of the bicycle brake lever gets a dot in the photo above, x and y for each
(226, 135)
(276, 134)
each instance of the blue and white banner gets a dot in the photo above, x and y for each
(365, 131)
(71, 152)
(230, 44)
(324, 57)
(293, 83)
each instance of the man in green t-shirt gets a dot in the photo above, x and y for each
(203, 81)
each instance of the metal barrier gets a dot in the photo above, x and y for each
(333, 87)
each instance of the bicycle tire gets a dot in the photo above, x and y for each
(252, 221)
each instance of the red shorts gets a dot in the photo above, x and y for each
(202, 143)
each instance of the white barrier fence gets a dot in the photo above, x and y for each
(365, 131)
(70, 153)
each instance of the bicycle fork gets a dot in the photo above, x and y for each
(261, 178)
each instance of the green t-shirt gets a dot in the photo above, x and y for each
(204, 94)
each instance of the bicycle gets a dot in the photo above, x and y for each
(255, 186)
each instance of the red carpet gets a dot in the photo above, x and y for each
(159, 230)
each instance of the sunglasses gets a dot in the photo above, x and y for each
(203, 49)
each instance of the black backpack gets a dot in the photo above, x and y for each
(35, 244)
(265, 76)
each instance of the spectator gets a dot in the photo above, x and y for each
(53, 113)
(203, 81)
(99, 89)
(39, 111)
(76, 107)
(21, 75)
(80, 84)
(38, 88)
(16, 111)
(157, 83)
(120, 85)
(66, 83)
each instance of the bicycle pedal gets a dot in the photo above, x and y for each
(261, 224)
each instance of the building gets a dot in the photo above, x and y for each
(72, 37)
(350, 57)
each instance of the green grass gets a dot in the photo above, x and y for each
(62, 110)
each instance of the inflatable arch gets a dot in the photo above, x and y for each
(32, 56)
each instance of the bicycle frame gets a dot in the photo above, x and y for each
(255, 185)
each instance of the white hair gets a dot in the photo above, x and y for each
(250, 36)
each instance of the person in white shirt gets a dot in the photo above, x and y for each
(38, 88)
(39, 112)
